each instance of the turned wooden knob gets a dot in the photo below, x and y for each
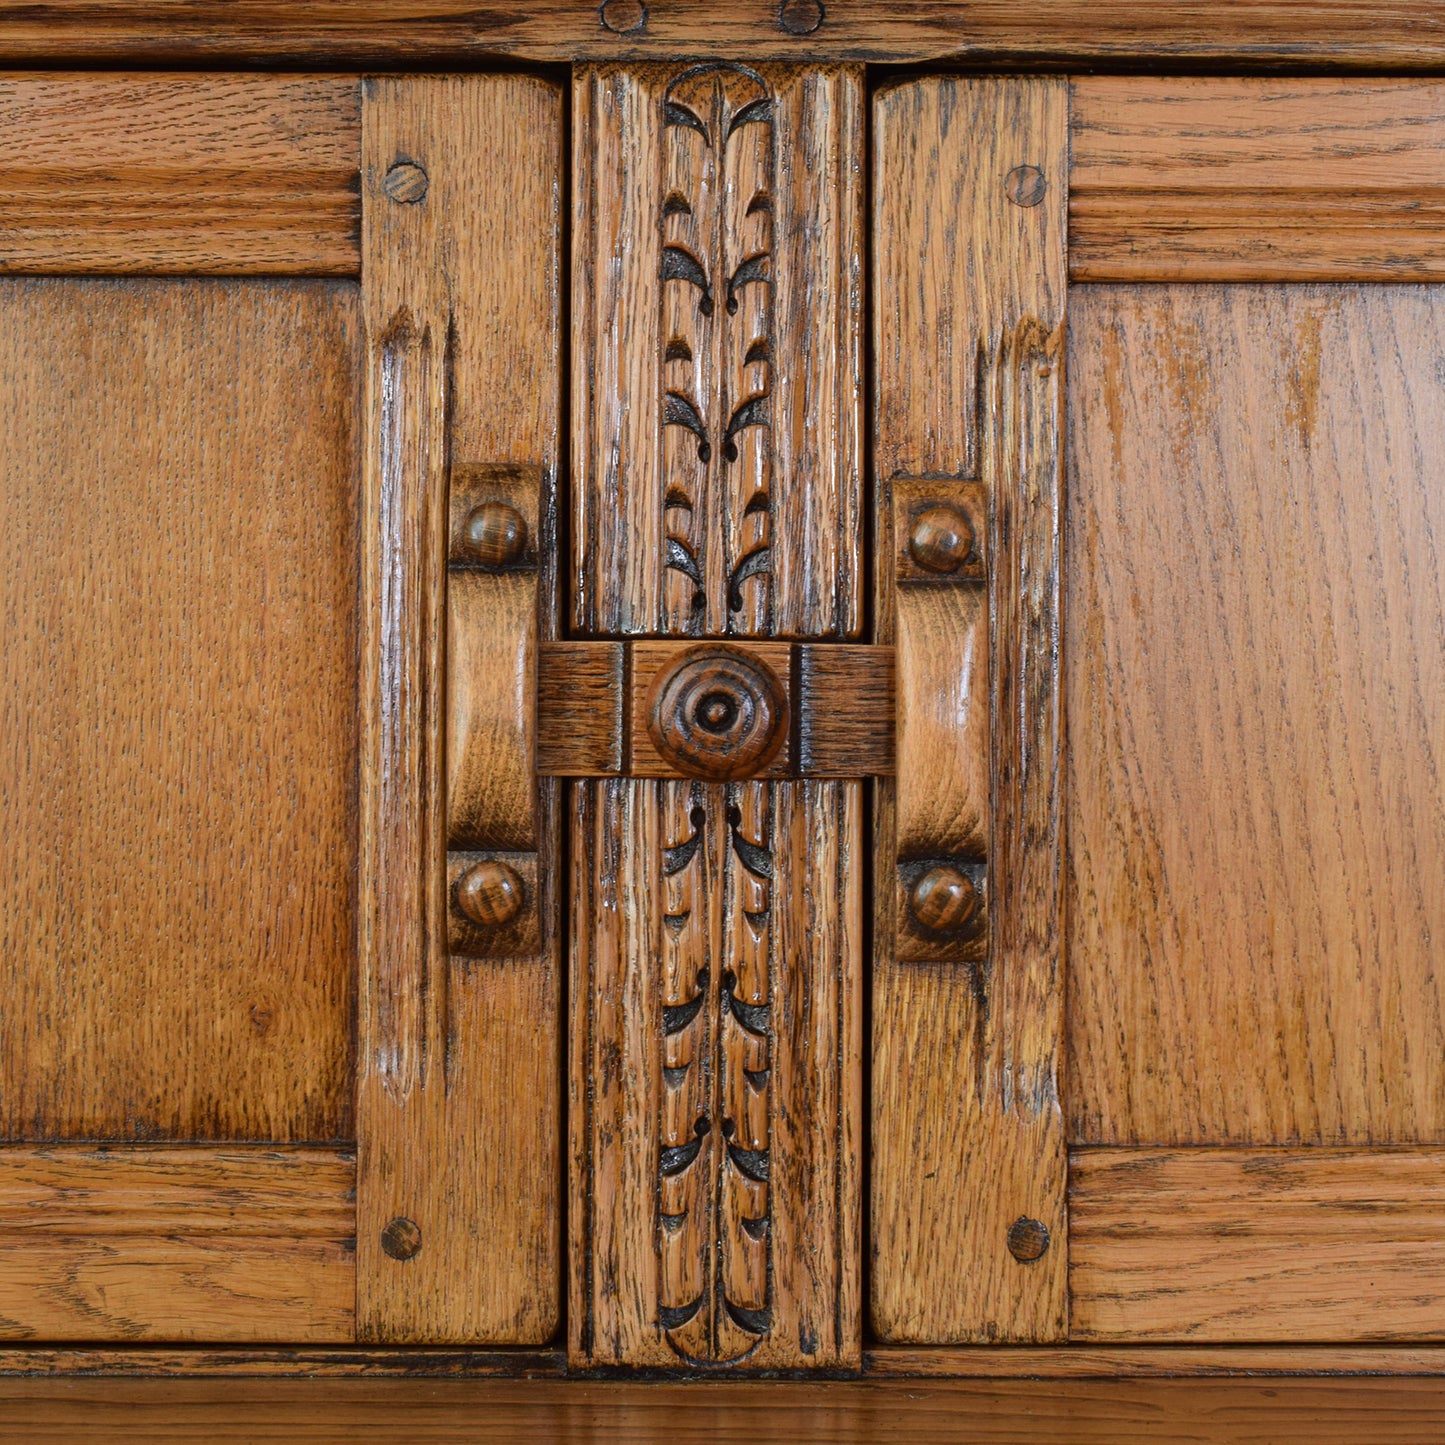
(941, 538)
(717, 713)
(943, 899)
(495, 534)
(489, 893)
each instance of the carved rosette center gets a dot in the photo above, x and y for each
(717, 713)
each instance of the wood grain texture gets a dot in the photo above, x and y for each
(581, 709)
(1253, 1245)
(967, 1132)
(944, 767)
(846, 710)
(461, 293)
(717, 306)
(1034, 1363)
(179, 1243)
(193, 174)
(1146, 1361)
(1360, 34)
(1256, 816)
(1233, 179)
(177, 709)
(715, 1111)
(935, 1412)
(491, 667)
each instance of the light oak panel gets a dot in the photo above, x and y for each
(1234, 179)
(459, 1094)
(1256, 659)
(1256, 1245)
(181, 1243)
(194, 174)
(967, 1132)
(178, 730)
(1361, 34)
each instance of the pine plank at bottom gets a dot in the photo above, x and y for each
(214, 1243)
(1219, 1244)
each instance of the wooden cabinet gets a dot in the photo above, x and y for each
(761, 712)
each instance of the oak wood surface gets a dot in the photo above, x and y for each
(715, 1110)
(459, 1093)
(177, 709)
(967, 1135)
(1228, 178)
(716, 926)
(1358, 34)
(716, 280)
(193, 174)
(1256, 821)
(935, 1412)
(1253, 1245)
(1145, 1361)
(177, 1243)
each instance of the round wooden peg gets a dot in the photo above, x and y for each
(489, 893)
(943, 899)
(1025, 185)
(941, 538)
(1028, 1239)
(401, 1239)
(406, 183)
(495, 534)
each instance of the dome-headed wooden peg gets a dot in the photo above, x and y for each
(943, 899)
(401, 1240)
(1028, 1239)
(489, 893)
(405, 183)
(495, 534)
(941, 538)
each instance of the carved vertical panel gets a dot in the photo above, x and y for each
(716, 926)
(717, 351)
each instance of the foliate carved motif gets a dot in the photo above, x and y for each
(717, 232)
(714, 1228)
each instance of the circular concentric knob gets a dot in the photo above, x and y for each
(718, 713)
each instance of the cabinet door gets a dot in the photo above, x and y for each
(1194, 1088)
(237, 1101)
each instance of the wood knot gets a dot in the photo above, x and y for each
(401, 1239)
(718, 713)
(489, 893)
(495, 535)
(1028, 1239)
(941, 538)
(943, 899)
(623, 17)
(1025, 185)
(406, 183)
(800, 17)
